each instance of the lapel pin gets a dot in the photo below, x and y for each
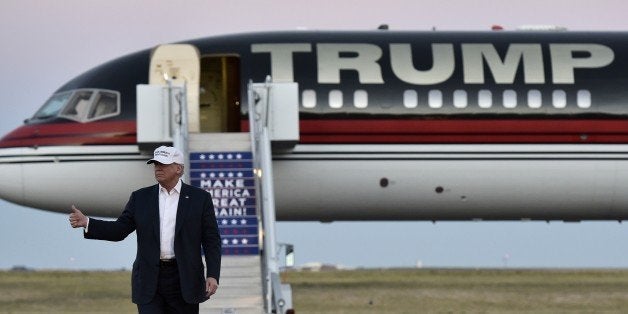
(187, 196)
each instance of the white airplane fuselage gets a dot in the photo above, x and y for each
(387, 182)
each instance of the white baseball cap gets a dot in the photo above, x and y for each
(167, 155)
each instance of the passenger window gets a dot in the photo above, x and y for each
(584, 99)
(435, 98)
(485, 98)
(335, 99)
(309, 98)
(535, 99)
(559, 98)
(460, 99)
(410, 98)
(510, 99)
(360, 99)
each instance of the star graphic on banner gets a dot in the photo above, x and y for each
(234, 222)
(221, 175)
(245, 241)
(225, 241)
(224, 221)
(234, 241)
(229, 156)
(221, 156)
(243, 221)
(212, 175)
(230, 174)
(240, 174)
(238, 156)
(203, 175)
(212, 157)
(202, 157)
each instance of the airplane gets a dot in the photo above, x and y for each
(394, 125)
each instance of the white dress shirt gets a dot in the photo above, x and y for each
(168, 203)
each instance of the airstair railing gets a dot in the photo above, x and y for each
(178, 109)
(259, 115)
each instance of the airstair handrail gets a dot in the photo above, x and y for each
(178, 110)
(262, 155)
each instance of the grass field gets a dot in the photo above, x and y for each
(461, 291)
(65, 292)
(356, 291)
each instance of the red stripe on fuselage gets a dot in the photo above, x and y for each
(406, 131)
(72, 133)
(352, 131)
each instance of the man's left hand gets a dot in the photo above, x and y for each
(211, 285)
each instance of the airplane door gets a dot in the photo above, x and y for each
(180, 64)
(220, 94)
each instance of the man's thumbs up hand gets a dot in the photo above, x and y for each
(77, 219)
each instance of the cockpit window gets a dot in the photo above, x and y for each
(76, 108)
(81, 105)
(52, 107)
(105, 105)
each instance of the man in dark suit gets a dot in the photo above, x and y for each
(172, 220)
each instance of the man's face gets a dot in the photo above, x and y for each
(167, 175)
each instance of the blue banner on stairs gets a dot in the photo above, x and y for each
(229, 177)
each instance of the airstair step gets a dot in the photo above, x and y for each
(235, 302)
(241, 261)
(227, 281)
(239, 310)
(220, 141)
(241, 291)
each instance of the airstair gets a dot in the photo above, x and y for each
(236, 168)
(222, 164)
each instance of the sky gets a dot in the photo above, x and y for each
(43, 44)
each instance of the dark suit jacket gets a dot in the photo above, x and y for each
(195, 227)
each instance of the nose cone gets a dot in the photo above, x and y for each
(11, 178)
